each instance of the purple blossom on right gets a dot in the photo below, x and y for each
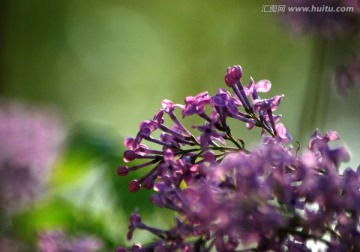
(347, 76)
(334, 30)
(327, 18)
(228, 198)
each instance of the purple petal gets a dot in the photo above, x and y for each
(263, 86)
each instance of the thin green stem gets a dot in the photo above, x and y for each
(231, 138)
(261, 124)
(247, 250)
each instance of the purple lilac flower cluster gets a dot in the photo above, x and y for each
(227, 198)
(30, 140)
(58, 241)
(179, 149)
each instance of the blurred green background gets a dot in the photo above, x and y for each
(108, 64)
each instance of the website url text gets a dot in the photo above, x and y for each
(283, 8)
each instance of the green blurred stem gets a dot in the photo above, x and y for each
(3, 17)
(313, 113)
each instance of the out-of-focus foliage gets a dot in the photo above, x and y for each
(101, 60)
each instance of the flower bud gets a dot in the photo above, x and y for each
(149, 182)
(129, 155)
(134, 186)
(122, 170)
(233, 75)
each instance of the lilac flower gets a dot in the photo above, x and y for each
(228, 106)
(319, 145)
(209, 133)
(264, 198)
(196, 105)
(253, 88)
(228, 198)
(30, 140)
(268, 106)
(58, 241)
(183, 145)
(232, 79)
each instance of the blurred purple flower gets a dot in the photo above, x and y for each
(30, 140)
(261, 201)
(11, 244)
(58, 241)
(348, 75)
(335, 25)
(321, 18)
